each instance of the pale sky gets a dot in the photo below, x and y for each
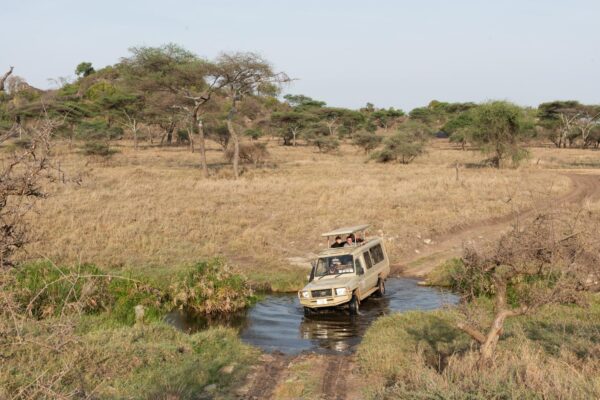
(391, 53)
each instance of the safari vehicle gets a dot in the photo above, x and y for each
(344, 276)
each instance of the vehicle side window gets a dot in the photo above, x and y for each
(358, 267)
(376, 254)
(368, 259)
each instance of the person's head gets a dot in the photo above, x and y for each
(349, 239)
(338, 239)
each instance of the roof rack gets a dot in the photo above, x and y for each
(346, 230)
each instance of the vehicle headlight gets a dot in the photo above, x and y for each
(305, 294)
(340, 291)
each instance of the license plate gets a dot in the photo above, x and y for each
(321, 301)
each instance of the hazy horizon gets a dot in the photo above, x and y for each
(400, 54)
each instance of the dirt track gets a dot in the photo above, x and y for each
(335, 377)
(584, 186)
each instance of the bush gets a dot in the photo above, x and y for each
(253, 134)
(98, 149)
(325, 144)
(403, 147)
(97, 130)
(251, 153)
(212, 288)
(367, 141)
(219, 134)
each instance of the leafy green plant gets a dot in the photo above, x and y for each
(211, 288)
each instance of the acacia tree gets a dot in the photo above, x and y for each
(547, 261)
(292, 124)
(499, 127)
(241, 75)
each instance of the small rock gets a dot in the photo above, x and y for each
(139, 314)
(210, 388)
(228, 369)
(427, 241)
(267, 358)
(417, 251)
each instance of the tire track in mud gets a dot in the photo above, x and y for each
(584, 186)
(261, 383)
(333, 386)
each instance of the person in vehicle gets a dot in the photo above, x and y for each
(338, 242)
(334, 266)
(349, 240)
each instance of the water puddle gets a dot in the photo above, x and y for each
(278, 322)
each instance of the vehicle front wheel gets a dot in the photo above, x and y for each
(380, 288)
(308, 311)
(353, 305)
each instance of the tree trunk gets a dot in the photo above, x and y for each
(202, 145)
(489, 341)
(191, 138)
(135, 135)
(233, 134)
(236, 148)
(294, 137)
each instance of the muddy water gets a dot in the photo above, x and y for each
(277, 323)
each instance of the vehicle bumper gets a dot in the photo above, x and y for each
(322, 302)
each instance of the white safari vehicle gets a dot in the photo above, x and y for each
(352, 268)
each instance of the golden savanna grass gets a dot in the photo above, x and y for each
(152, 211)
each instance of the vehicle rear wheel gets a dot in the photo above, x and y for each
(380, 288)
(353, 305)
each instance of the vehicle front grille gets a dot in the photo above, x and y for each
(321, 293)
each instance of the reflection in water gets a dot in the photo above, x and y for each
(278, 322)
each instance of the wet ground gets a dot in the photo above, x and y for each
(278, 322)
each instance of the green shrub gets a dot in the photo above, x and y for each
(403, 147)
(98, 149)
(325, 144)
(45, 290)
(211, 288)
(367, 141)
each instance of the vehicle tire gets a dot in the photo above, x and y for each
(380, 288)
(353, 305)
(308, 311)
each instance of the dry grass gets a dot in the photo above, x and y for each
(419, 355)
(152, 210)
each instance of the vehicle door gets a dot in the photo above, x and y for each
(370, 277)
(378, 260)
(361, 271)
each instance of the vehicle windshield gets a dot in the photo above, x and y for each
(335, 265)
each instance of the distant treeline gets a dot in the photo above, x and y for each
(169, 95)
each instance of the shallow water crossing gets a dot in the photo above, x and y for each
(277, 323)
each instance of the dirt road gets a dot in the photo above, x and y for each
(304, 376)
(428, 256)
(336, 377)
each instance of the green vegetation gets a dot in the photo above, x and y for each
(151, 361)
(212, 288)
(553, 354)
(83, 334)
(43, 290)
